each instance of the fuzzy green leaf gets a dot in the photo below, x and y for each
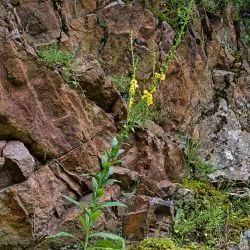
(104, 160)
(74, 202)
(106, 244)
(84, 223)
(121, 151)
(63, 234)
(110, 172)
(96, 176)
(114, 142)
(107, 236)
(94, 184)
(110, 181)
(113, 204)
(94, 216)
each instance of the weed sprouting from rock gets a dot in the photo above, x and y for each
(62, 61)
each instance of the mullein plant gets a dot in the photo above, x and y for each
(93, 212)
(139, 105)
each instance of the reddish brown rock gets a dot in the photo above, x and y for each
(147, 186)
(39, 20)
(40, 110)
(147, 216)
(89, 5)
(125, 177)
(16, 71)
(134, 224)
(174, 162)
(154, 155)
(93, 80)
(47, 104)
(34, 205)
(145, 154)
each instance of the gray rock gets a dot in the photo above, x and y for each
(164, 207)
(226, 145)
(245, 241)
(19, 154)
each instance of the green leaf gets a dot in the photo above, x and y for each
(121, 151)
(94, 216)
(94, 184)
(104, 159)
(107, 236)
(74, 201)
(84, 223)
(110, 172)
(110, 181)
(87, 211)
(113, 204)
(100, 192)
(63, 234)
(96, 176)
(106, 244)
(114, 142)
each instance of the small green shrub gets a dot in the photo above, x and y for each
(61, 60)
(54, 56)
(175, 13)
(216, 6)
(212, 217)
(122, 83)
(246, 23)
(195, 167)
(157, 244)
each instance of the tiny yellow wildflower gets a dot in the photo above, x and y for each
(162, 77)
(157, 75)
(133, 82)
(133, 87)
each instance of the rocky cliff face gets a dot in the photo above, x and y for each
(50, 134)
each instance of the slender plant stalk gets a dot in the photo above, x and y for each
(86, 240)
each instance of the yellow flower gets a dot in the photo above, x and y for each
(162, 77)
(157, 75)
(148, 97)
(133, 86)
(133, 82)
